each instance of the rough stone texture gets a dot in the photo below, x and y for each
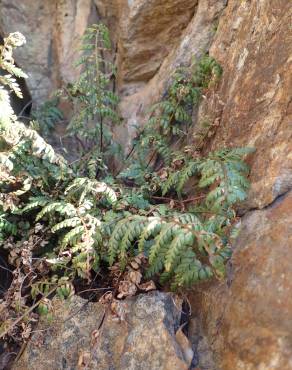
(253, 45)
(148, 31)
(143, 340)
(193, 43)
(248, 320)
(203, 355)
(52, 29)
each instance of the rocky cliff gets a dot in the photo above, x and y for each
(248, 317)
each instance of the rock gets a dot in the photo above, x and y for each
(143, 338)
(193, 43)
(248, 320)
(149, 29)
(52, 29)
(203, 358)
(254, 100)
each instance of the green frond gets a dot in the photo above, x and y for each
(34, 203)
(73, 236)
(177, 248)
(69, 222)
(134, 230)
(151, 230)
(62, 207)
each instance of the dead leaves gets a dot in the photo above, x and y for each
(148, 286)
(130, 282)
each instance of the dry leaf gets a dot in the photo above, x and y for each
(119, 309)
(163, 174)
(149, 285)
(135, 265)
(135, 276)
(126, 289)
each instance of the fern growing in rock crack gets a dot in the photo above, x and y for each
(73, 224)
(171, 117)
(224, 168)
(179, 247)
(188, 247)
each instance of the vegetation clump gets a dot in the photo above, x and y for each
(60, 222)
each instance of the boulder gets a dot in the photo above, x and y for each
(139, 336)
(248, 319)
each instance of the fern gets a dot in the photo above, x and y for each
(46, 116)
(35, 203)
(225, 168)
(171, 118)
(93, 102)
(75, 219)
(175, 244)
(67, 223)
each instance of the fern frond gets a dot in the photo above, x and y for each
(176, 249)
(63, 208)
(34, 203)
(73, 236)
(69, 222)
(152, 228)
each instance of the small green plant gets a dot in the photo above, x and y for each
(93, 102)
(46, 117)
(169, 119)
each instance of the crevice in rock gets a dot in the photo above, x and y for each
(275, 201)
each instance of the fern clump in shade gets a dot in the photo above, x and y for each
(62, 222)
(170, 118)
(46, 117)
(189, 247)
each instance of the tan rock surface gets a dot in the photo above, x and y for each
(148, 31)
(194, 42)
(254, 46)
(248, 320)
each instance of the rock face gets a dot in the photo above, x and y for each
(142, 337)
(254, 101)
(52, 29)
(248, 320)
(193, 43)
(149, 30)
